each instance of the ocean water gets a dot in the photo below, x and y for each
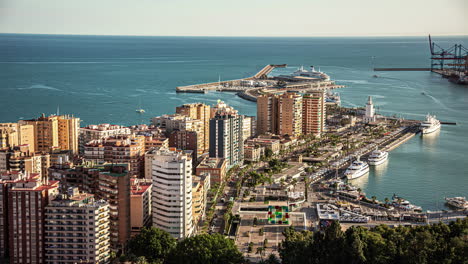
(104, 79)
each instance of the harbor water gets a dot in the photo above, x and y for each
(105, 79)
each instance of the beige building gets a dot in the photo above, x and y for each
(118, 149)
(279, 114)
(20, 159)
(14, 134)
(253, 152)
(55, 132)
(178, 122)
(77, 229)
(200, 187)
(269, 143)
(290, 114)
(101, 131)
(140, 204)
(201, 112)
(313, 113)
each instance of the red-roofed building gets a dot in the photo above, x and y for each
(27, 199)
(140, 204)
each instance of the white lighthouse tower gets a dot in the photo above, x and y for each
(369, 117)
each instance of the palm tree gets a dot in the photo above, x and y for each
(261, 252)
(386, 200)
(359, 191)
(373, 199)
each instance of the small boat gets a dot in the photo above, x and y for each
(423, 93)
(399, 202)
(377, 157)
(457, 202)
(357, 169)
(375, 76)
(430, 125)
(140, 111)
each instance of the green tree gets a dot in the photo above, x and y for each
(152, 243)
(205, 248)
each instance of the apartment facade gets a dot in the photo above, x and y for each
(201, 112)
(101, 131)
(215, 167)
(27, 200)
(140, 204)
(14, 134)
(114, 187)
(313, 114)
(55, 132)
(77, 229)
(226, 135)
(118, 149)
(172, 193)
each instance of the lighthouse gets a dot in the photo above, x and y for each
(369, 117)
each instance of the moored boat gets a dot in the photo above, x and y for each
(357, 169)
(430, 125)
(457, 202)
(377, 157)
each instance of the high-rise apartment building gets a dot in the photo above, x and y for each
(55, 132)
(267, 114)
(201, 112)
(279, 114)
(118, 149)
(172, 192)
(186, 140)
(226, 135)
(77, 229)
(114, 187)
(313, 114)
(101, 131)
(7, 179)
(290, 114)
(27, 200)
(14, 134)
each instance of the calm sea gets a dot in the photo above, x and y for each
(105, 78)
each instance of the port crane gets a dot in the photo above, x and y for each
(455, 57)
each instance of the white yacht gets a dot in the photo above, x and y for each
(430, 125)
(312, 73)
(377, 157)
(140, 111)
(457, 202)
(357, 169)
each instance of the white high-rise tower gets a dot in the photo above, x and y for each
(369, 117)
(172, 192)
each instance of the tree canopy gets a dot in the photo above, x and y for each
(438, 243)
(205, 248)
(152, 243)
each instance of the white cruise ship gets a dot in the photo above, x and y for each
(357, 169)
(378, 157)
(430, 125)
(457, 202)
(312, 73)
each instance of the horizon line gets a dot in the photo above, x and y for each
(237, 36)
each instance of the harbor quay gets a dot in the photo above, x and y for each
(251, 87)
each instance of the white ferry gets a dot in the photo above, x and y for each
(457, 202)
(357, 169)
(312, 73)
(378, 157)
(430, 125)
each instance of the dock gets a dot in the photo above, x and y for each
(402, 69)
(251, 87)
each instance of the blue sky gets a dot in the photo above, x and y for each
(236, 17)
